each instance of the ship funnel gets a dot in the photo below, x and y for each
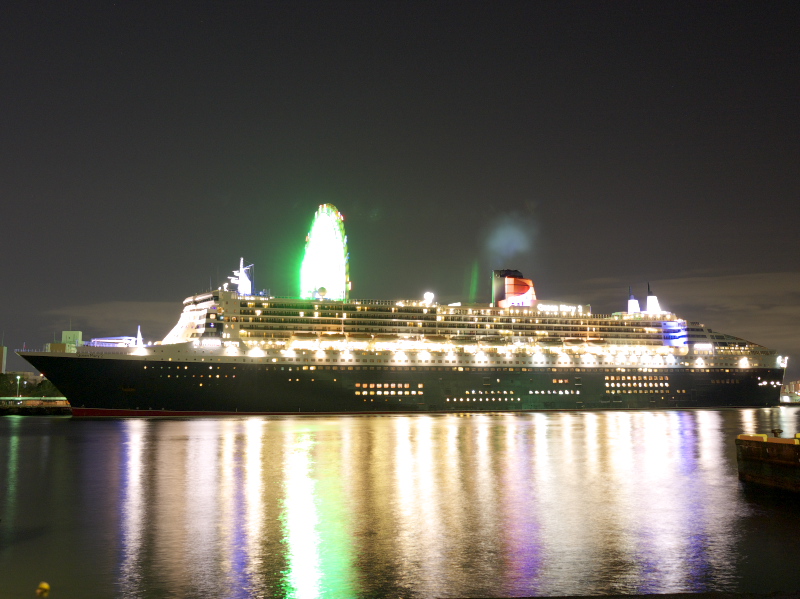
(633, 303)
(652, 302)
(509, 288)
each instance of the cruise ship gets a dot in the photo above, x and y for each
(233, 351)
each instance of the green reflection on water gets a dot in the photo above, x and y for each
(318, 550)
(336, 551)
(317, 541)
(12, 467)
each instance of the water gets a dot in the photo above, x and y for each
(401, 506)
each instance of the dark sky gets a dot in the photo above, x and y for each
(147, 146)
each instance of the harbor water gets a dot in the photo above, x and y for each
(473, 505)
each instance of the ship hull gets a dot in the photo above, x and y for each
(124, 386)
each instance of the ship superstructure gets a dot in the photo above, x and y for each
(545, 332)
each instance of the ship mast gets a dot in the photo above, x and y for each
(241, 279)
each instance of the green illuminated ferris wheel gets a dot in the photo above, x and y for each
(325, 272)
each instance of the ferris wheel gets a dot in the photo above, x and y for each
(325, 271)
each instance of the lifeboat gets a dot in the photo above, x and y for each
(359, 337)
(333, 337)
(304, 335)
(436, 338)
(385, 338)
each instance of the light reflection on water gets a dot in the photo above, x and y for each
(413, 506)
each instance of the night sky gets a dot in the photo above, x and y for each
(593, 146)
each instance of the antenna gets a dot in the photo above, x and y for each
(252, 269)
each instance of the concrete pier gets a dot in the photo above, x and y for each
(769, 461)
(38, 406)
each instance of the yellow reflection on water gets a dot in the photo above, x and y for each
(227, 508)
(484, 480)
(12, 469)
(591, 439)
(541, 454)
(418, 506)
(254, 497)
(748, 420)
(200, 497)
(133, 505)
(300, 519)
(786, 420)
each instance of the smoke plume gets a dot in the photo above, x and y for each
(509, 236)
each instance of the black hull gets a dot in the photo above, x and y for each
(122, 386)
